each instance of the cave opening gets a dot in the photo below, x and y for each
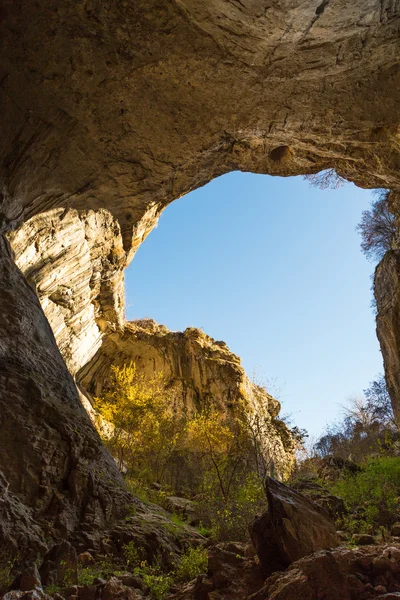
(273, 267)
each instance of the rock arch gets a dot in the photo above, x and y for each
(110, 111)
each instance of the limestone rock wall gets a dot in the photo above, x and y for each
(387, 297)
(74, 261)
(199, 372)
(124, 106)
(55, 475)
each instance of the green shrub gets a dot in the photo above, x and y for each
(371, 495)
(132, 554)
(51, 589)
(157, 580)
(191, 564)
(6, 576)
(158, 583)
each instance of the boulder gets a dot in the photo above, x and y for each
(363, 539)
(232, 575)
(60, 565)
(85, 559)
(180, 506)
(36, 594)
(115, 589)
(28, 580)
(292, 527)
(334, 505)
(341, 574)
(395, 531)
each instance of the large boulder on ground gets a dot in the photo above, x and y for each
(331, 468)
(232, 575)
(292, 527)
(60, 565)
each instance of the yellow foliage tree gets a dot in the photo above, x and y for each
(138, 420)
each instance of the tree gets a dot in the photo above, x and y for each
(324, 180)
(138, 421)
(377, 227)
(378, 401)
(368, 427)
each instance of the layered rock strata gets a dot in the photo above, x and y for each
(199, 372)
(56, 475)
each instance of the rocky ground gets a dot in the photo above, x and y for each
(295, 552)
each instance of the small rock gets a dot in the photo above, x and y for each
(87, 592)
(85, 559)
(36, 594)
(363, 539)
(395, 531)
(29, 579)
(202, 588)
(131, 581)
(180, 506)
(115, 589)
(70, 591)
(380, 589)
(60, 565)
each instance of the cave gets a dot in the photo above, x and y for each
(109, 112)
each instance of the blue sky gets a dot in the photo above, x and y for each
(273, 267)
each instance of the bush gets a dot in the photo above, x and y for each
(6, 572)
(192, 563)
(367, 429)
(218, 458)
(228, 520)
(156, 580)
(372, 496)
(131, 554)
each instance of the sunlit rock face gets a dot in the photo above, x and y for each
(111, 110)
(55, 475)
(387, 297)
(74, 262)
(199, 372)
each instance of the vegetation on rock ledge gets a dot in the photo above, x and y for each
(217, 460)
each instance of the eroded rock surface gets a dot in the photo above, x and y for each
(74, 262)
(359, 574)
(50, 454)
(122, 107)
(198, 371)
